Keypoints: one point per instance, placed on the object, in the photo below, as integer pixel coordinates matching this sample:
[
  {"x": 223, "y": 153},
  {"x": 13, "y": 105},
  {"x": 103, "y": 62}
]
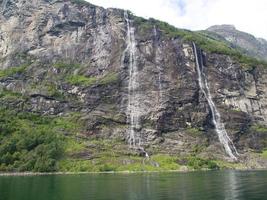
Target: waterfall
[
  {"x": 133, "y": 109},
  {"x": 3, "y": 6},
  {"x": 133, "y": 104},
  {"x": 216, "y": 117}
]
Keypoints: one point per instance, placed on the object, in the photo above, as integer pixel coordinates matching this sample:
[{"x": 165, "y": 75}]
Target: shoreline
[
  {"x": 84, "y": 173},
  {"x": 17, "y": 174}
]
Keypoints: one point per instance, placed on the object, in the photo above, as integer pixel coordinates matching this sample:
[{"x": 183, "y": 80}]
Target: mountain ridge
[{"x": 256, "y": 47}]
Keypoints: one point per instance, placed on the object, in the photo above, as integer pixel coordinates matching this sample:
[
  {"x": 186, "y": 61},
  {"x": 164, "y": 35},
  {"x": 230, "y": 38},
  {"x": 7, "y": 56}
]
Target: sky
[{"x": 246, "y": 15}]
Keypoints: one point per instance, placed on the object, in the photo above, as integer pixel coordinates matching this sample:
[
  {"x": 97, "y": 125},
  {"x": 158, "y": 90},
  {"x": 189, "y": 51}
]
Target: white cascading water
[
  {"x": 133, "y": 109},
  {"x": 4, "y": 5},
  {"x": 216, "y": 117}
]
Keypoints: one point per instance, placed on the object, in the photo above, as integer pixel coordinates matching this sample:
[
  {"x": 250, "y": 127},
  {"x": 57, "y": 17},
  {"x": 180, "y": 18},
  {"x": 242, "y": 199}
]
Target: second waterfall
[
  {"x": 133, "y": 107},
  {"x": 216, "y": 117}
]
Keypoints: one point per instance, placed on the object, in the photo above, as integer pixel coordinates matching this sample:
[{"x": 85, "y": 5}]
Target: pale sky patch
[{"x": 246, "y": 15}]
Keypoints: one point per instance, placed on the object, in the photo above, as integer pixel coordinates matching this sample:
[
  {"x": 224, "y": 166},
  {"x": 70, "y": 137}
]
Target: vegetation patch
[
  {"x": 199, "y": 163},
  {"x": 166, "y": 162},
  {"x": 111, "y": 155},
  {"x": 8, "y": 95},
  {"x": 264, "y": 154},
  {"x": 13, "y": 71},
  {"x": 81, "y": 80},
  {"x": 27, "y": 142},
  {"x": 258, "y": 128},
  {"x": 53, "y": 91},
  {"x": 30, "y": 142},
  {"x": 73, "y": 145},
  {"x": 194, "y": 132},
  {"x": 229, "y": 165},
  {"x": 109, "y": 79},
  {"x": 73, "y": 165}
]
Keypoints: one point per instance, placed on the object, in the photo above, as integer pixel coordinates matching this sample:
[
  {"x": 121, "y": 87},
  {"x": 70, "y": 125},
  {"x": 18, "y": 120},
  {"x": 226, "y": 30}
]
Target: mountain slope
[
  {"x": 256, "y": 47},
  {"x": 102, "y": 88}
]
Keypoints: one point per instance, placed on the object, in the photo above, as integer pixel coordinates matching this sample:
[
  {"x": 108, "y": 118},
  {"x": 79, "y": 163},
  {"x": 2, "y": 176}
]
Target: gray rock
[{"x": 73, "y": 62}]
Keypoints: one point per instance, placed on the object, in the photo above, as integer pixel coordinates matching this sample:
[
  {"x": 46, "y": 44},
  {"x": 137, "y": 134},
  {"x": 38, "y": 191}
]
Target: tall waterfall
[
  {"x": 133, "y": 108},
  {"x": 216, "y": 117}
]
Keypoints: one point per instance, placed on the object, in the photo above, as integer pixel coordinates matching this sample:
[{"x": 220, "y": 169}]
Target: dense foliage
[{"x": 27, "y": 142}]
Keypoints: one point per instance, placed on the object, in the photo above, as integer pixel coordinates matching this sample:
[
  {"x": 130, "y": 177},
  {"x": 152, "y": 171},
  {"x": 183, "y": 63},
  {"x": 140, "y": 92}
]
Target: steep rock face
[
  {"x": 65, "y": 57},
  {"x": 256, "y": 47}
]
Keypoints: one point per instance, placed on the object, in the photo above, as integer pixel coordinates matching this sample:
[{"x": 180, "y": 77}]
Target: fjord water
[{"x": 209, "y": 185}]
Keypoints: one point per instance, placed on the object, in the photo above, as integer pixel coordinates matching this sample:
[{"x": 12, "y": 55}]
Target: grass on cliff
[
  {"x": 194, "y": 132},
  {"x": 264, "y": 154},
  {"x": 207, "y": 43},
  {"x": 13, "y": 71},
  {"x": 259, "y": 128},
  {"x": 111, "y": 155},
  {"x": 81, "y": 80},
  {"x": 110, "y": 162},
  {"x": 10, "y": 96},
  {"x": 73, "y": 73}
]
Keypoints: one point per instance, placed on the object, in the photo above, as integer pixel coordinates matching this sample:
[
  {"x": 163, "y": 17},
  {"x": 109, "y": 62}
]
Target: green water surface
[{"x": 210, "y": 185}]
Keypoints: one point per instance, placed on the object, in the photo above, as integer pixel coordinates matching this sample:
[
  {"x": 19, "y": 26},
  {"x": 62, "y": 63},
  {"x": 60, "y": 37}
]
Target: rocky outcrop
[{"x": 65, "y": 57}]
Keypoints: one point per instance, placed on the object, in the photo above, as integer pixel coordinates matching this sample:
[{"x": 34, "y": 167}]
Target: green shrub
[
  {"x": 81, "y": 80},
  {"x": 193, "y": 132},
  {"x": 12, "y": 71},
  {"x": 109, "y": 79},
  {"x": 9, "y": 95},
  {"x": 200, "y": 163},
  {"x": 166, "y": 162},
  {"x": 258, "y": 128},
  {"x": 264, "y": 154},
  {"x": 53, "y": 91},
  {"x": 107, "y": 168},
  {"x": 28, "y": 142},
  {"x": 72, "y": 165}
]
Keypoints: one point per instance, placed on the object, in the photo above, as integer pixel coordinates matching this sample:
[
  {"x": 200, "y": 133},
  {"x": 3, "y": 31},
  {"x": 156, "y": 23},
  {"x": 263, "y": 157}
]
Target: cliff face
[
  {"x": 256, "y": 47},
  {"x": 127, "y": 81}
]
